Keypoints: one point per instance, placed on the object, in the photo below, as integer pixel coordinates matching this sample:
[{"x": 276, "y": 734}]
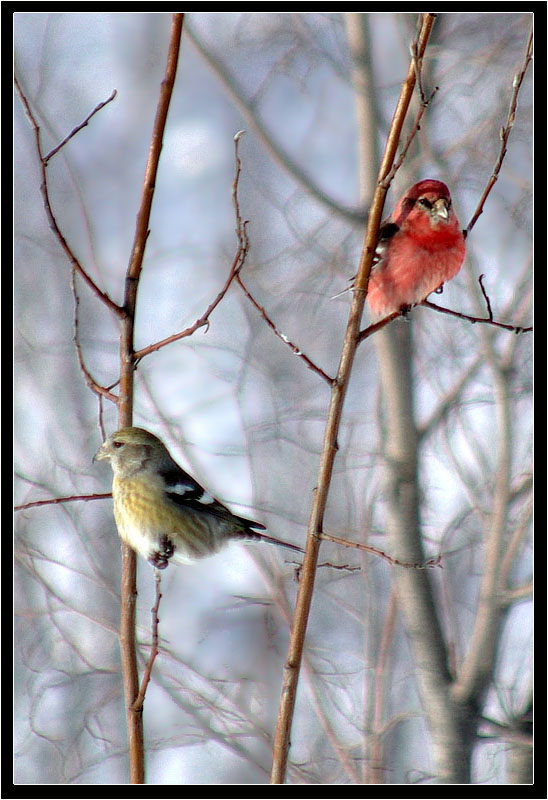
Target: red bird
[{"x": 420, "y": 247}]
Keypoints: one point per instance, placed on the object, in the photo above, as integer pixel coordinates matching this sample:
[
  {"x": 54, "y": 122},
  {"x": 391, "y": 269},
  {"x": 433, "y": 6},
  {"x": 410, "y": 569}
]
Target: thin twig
[
  {"x": 241, "y": 232},
  {"x": 140, "y": 699},
  {"x": 425, "y": 102},
  {"x": 517, "y": 329},
  {"x": 79, "y": 127},
  {"x": 202, "y": 321},
  {"x": 486, "y": 297},
  {"x": 285, "y": 339},
  {"x": 95, "y": 387},
  {"x": 395, "y": 562},
  {"x": 504, "y": 132},
  {"x": 484, "y": 320},
  {"x": 56, "y": 500},
  {"x": 44, "y": 189},
  {"x": 417, "y": 65},
  {"x": 241, "y": 224},
  {"x": 237, "y": 264}
]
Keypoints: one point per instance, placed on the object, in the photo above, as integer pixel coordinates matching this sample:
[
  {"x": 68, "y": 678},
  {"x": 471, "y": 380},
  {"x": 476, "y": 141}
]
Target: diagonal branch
[
  {"x": 237, "y": 264},
  {"x": 293, "y": 347},
  {"x": 44, "y": 189},
  {"x": 504, "y": 132},
  {"x": 203, "y": 321},
  {"x": 315, "y": 525},
  {"x": 79, "y": 127}
]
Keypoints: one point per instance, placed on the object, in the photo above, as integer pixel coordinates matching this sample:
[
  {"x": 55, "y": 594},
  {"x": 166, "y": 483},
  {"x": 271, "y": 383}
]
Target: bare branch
[
  {"x": 425, "y": 102},
  {"x": 44, "y": 189},
  {"x": 485, "y": 320},
  {"x": 315, "y": 525},
  {"x": 395, "y": 562},
  {"x": 237, "y": 264},
  {"x": 79, "y": 127},
  {"x": 293, "y": 347},
  {"x": 56, "y": 500},
  {"x": 128, "y": 642},
  {"x": 377, "y": 326},
  {"x": 504, "y": 133},
  {"x": 202, "y": 321},
  {"x": 241, "y": 231},
  {"x": 99, "y": 390},
  {"x": 485, "y": 297},
  {"x": 140, "y": 699}
]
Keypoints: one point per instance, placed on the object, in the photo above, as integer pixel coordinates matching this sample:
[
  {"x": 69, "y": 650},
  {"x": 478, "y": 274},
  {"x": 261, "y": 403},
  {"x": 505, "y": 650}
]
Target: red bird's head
[{"x": 427, "y": 207}]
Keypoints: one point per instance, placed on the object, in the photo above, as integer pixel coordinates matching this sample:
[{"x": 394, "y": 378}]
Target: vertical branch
[
  {"x": 125, "y": 405},
  {"x": 315, "y": 525}
]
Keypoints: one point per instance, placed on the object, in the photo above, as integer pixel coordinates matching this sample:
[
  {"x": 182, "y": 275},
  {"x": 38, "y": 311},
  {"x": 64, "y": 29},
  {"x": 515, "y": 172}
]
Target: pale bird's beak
[
  {"x": 100, "y": 454},
  {"x": 440, "y": 209}
]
